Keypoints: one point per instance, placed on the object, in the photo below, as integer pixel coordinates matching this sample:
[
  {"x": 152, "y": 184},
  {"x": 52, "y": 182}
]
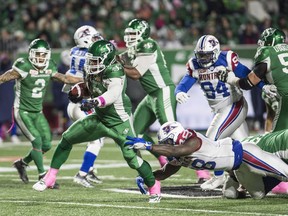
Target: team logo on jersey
[
  {"x": 148, "y": 45},
  {"x": 33, "y": 72}
]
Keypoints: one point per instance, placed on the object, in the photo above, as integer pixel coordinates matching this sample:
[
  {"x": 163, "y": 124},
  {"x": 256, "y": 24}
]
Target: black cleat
[
  {"x": 20, "y": 165},
  {"x": 91, "y": 177}
]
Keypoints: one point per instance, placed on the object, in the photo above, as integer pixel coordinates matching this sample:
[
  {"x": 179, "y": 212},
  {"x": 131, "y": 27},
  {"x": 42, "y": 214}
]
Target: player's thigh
[
  {"x": 25, "y": 121},
  {"x": 165, "y": 105},
  {"x": 264, "y": 163},
  {"x": 227, "y": 120},
  {"x": 44, "y": 130},
  {"x": 143, "y": 116},
  {"x": 86, "y": 129}
]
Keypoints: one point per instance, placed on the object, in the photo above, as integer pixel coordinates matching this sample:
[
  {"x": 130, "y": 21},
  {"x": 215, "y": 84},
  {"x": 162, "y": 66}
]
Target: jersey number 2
[{"x": 37, "y": 91}]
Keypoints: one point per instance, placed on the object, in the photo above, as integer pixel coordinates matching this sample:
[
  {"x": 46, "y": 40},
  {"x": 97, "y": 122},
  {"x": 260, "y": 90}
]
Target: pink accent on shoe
[
  {"x": 205, "y": 174},
  {"x": 50, "y": 177},
  {"x": 162, "y": 160},
  {"x": 102, "y": 101},
  {"x": 281, "y": 188},
  {"x": 156, "y": 188}
]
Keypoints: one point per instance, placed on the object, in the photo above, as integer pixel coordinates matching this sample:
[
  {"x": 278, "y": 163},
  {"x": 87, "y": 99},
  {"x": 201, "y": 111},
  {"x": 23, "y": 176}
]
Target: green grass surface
[{"x": 20, "y": 199}]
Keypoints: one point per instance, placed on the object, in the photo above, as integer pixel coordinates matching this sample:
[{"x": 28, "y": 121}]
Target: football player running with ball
[
  {"x": 32, "y": 75},
  {"x": 84, "y": 36},
  {"x": 106, "y": 84}
]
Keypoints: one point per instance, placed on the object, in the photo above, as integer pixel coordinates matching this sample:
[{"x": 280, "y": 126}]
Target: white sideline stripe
[
  {"x": 162, "y": 194},
  {"x": 139, "y": 207}
]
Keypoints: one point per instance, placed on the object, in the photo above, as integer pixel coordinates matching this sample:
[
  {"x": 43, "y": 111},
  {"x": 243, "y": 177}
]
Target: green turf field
[{"x": 117, "y": 195}]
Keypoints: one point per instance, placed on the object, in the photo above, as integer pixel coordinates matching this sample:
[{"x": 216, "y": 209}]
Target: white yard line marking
[
  {"x": 154, "y": 208},
  {"x": 162, "y": 194}
]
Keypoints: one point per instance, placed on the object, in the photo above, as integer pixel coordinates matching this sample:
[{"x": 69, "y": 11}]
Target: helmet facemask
[
  {"x": 39, "y": 57},
  {"x": 100, "y": 55},
  {"x": 94, "y": 65},
  {"x": 207, "y": 51},
  {"x": 137, "y": 31}
]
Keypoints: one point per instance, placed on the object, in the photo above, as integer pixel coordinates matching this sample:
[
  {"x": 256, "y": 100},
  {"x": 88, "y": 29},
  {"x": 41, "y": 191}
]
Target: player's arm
[
  {"x": 67, "y": 79},
  {"x": 188, "y": 147},
  {"x": 114, "y": 90},
  {"x": 167, "y": 171},
  {"x": 9, "y": 75}
]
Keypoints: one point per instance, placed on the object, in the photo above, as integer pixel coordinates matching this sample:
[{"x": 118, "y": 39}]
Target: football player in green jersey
[
  {"x": 270, "y": 65},
  {"x": 32, "y": 75},
  {"x": 148, "y": 65},
  {"x": 106, "y": 86}
]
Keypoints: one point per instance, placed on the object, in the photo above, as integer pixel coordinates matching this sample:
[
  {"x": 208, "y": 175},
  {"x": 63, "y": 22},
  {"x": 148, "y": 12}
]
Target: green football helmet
[
  {"x": 271, "y": 37},
  {"x": 39, "y": 53},
  {"x": 100, "y": 55},
  {"x": 137, "y": 31}
]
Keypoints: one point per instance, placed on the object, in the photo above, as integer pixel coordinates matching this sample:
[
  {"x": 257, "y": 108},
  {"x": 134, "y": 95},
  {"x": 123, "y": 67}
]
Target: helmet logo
[
  {"x": 168, "y": 128},
  {"x": 213, "y": 42},
  {"x": 84, "y": 33}
]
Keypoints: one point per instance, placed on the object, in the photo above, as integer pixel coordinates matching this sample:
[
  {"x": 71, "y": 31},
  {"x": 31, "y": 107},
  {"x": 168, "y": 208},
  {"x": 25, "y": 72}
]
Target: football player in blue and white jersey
[
  {"x": 83, "y": 37},
  {"x": 258, "y": 162},
  {"x": 226, "y": 101}
]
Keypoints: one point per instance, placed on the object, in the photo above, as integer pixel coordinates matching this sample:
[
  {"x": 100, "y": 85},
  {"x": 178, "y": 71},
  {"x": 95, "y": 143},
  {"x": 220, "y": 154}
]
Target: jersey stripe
[{"x": 253, "y": 161}]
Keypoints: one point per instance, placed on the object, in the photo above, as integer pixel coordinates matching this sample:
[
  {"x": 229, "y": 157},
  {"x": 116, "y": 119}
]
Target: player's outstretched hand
[{"x": 138, "y": 143}]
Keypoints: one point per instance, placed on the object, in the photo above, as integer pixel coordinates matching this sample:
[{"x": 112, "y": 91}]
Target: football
[{"x": 78, "y": 92}]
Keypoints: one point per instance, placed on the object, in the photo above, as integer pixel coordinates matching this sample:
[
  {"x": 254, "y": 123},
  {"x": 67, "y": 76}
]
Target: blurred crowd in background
[{"x": 174, "y": 24}]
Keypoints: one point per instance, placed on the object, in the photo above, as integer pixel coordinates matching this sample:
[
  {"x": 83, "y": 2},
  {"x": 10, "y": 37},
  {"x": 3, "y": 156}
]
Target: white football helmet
[
  {"x": 207, "y": 50},
  {"x": 85, "y": 35},
  {"x": 169, "y": 131}
]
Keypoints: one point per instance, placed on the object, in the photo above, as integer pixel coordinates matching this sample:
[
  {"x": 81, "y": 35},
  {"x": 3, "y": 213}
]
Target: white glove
[
  {"x": 270, "y": 91},
  {"x": 182, "y": 97}
]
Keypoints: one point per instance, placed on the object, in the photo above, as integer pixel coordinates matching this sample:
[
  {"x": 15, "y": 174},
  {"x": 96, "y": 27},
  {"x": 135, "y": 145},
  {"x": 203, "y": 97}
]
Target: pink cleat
[
  {"x": 281, "y": 188},
  {"x": 155, "y": 192}
]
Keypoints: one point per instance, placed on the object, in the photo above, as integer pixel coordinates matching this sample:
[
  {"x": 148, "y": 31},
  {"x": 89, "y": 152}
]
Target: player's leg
[
  {"x": 144, "y": 116},
  {"x": 135, "y": 162},
  {"x": 27, "y": 122},
  {"x": 164, "y": 104},
  {"x": 264, "y": 163},
  {"x": 277, "y": 144},
  {"x": 83, "y": 130},
  {"x": 86, "y": 171},
  {"x": 228, "y": 121}
]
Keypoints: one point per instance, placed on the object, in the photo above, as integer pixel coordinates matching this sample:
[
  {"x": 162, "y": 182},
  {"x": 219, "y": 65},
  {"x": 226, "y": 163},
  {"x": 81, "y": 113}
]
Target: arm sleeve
[
  {"x": 143, "y": 62},
  {"x": 185, "y": 84},
  {"x": 242, "y": 71},
  {"x": 113, "y": 92}
]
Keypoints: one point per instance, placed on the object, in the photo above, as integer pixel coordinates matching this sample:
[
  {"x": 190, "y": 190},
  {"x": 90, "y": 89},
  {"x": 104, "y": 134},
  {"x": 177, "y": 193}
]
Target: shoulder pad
[
  {"x": 114, "y": 71},
  {"x": 147, "y": 46},
  {"x": 261, "y": 54},
  {"x": 20, "y": 62}
]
